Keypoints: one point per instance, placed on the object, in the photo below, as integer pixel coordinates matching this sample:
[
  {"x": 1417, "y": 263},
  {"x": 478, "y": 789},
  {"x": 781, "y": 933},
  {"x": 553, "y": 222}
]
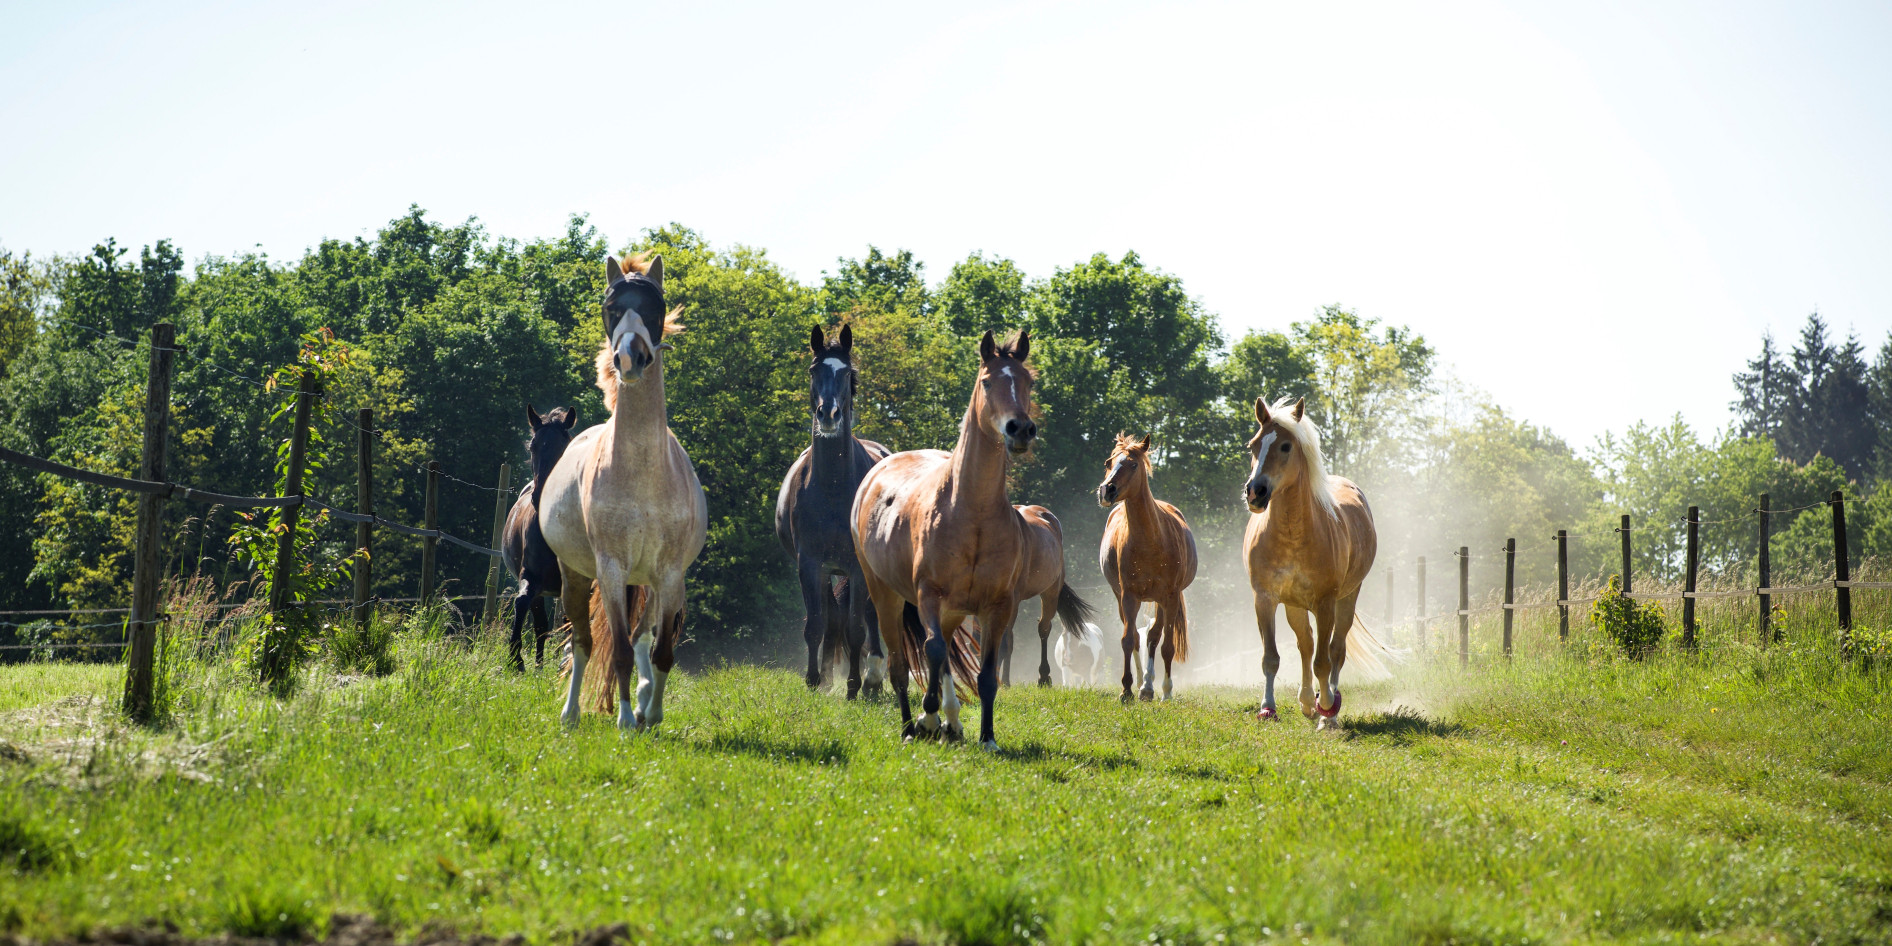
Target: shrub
[
  {"x": 1636, "y": 627},
  {"x": 357, "y": 649}
]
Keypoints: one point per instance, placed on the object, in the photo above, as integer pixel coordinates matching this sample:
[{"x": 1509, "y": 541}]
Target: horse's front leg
[
  {"x": 663, "y": 615},
  {"x": 1328, "y": 705},
  {"x": 814, "y": 602},
  {"x": 867, "y": 617},
  {"x": 618, "y": 601},
  {"x": 541, "y": 629},
  {"x": 996, "y": 622},
  {"x": 575, "y": 594},
  {"x": 528, "y": 593},
  {"x": 1270, "y": 654},
  {"x": 852, "y": 617},
  {"x": 1127, "y": 606},
  {"x": 1151, "y": 642},
  {"x": 1304, "y": 642},
  {"x": 938, "y": 671}
]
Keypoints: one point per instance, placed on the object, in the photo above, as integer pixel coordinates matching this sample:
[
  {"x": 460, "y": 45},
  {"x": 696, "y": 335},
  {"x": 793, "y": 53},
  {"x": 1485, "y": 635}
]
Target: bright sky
[{"x": 1593, "y": 210}]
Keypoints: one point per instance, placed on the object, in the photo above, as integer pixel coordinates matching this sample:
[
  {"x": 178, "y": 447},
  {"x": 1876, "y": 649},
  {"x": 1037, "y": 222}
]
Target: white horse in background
[{"x": 1082, "y": 660}]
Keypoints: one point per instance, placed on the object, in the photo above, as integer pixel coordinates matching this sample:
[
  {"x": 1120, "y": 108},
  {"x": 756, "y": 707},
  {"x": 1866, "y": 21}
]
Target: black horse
[
  {"x": 524, "y": 550},
  {"x": 811, "y": 519}
]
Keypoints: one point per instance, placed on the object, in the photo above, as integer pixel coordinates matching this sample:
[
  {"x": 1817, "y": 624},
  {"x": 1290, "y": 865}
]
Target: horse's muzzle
[
  {"x": 1256, "y": 494},
  {"x": 633, "y": 358},
  {"x": 1106, "y": 495},
  {"x": 1019, "y": 434}
]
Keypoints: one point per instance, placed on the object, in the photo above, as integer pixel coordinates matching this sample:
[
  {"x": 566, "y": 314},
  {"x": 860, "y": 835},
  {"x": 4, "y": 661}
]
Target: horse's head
[
  {"x": 1002, "y": 399},
  {"x": 635, "y": 321},
  {"x": 551, "y": 434},
  {"x": 1129, "y": 464},
  {"x": 831, "y": 382},
  {"x": 1274, "y": 450}
]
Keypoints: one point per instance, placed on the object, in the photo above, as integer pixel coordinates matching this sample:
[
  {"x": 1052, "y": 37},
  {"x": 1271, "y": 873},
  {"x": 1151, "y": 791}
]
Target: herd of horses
[{"x": 912, "y": 565}]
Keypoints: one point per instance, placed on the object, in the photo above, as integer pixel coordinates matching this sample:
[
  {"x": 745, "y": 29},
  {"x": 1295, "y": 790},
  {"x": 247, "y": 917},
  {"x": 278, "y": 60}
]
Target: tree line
[{"x": 447, "y": 332}]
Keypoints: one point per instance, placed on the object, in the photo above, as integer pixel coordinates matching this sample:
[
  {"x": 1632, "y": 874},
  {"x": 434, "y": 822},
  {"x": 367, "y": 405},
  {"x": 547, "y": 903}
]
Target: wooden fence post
[
  {"x": 1626, "y": 563},
  {"x": 428, "y": 543},
  {"x": 142, "y": 652},
  {"x": 1767, "y": 600},
  {"x": 1510, "y": 589},
  {"x": 1842, "y": 572},
  {"x": 1419, "y": 607},
  {"x": 279, "y": 585},
  {"x": 1464, "y": 606},
  {"x": 1688, "y": 581},
  {"x": 499, "y": 530},
  {"x": 364, "y": 531},
  {"x": 1563, "y": 584}
]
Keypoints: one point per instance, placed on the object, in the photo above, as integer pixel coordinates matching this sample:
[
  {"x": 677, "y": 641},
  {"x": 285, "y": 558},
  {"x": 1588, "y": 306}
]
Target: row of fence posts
[
  {"x": 1841, "y": 570},
  {"x": 147, "y": 575}
]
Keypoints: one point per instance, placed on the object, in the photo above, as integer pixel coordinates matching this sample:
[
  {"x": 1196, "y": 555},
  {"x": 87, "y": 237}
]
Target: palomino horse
[
  {"x": 1148, "y": 554},
  {"x": 523, "y": 548},
  {"x": 623, "y": 506},
  {"x": 811, "y": 520},
  {"x": 1309, "y": 544},
  {"x": 938, "y": 543}
]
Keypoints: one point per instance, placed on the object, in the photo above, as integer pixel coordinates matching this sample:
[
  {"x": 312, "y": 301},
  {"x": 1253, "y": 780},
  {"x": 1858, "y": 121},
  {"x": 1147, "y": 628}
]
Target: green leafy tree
[{"x": 981, "y": 294}]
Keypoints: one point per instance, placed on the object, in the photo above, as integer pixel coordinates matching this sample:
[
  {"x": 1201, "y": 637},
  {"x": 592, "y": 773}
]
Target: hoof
[
  {"x": 1267, "y": 715},
  {"x": 1329, "y": 713},
  {"x": 909, "y": 731},
  {"x": 568, "y": 719},
  {"x": 952, "y": 734},
  {"x": 1044, "y": 681},
  {"x": 870, "y": 691},
  {"x": 1127, "y": 698},
  {"x": 1148, "y": 695},
  {"x": 990, "y": 745}
]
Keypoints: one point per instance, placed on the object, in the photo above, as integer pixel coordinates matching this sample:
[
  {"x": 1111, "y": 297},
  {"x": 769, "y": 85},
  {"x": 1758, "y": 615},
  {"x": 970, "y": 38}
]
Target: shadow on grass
[
  {"x": 1039, "y": 752},
  {"x": 830, "y": 752},
  {"x": 1402, "y": 723}
]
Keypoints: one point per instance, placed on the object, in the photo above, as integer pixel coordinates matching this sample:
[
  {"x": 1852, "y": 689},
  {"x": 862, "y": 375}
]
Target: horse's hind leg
[
  {"x": 1168, "y": 614},
  {"x": 528, "y": 593},
  {"x": 541, "y": 628},
  {"x": 1005, "y": 659},
  {"x": 1158, "y": 625},
  {"x": 1304, "y": 641},
  {"x": 663, "y": 615},
  {"x": 576, "y": 596},
  {"x": 887, "y": 607},
  {"x": 1333, "y": 655},
  {"x": 864, "y": 623},
  {"x": 1047, "y": 609}
]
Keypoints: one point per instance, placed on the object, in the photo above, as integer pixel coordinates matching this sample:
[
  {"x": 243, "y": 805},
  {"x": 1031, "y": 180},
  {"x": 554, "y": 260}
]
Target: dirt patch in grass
[{"x": 82, "y": 742}]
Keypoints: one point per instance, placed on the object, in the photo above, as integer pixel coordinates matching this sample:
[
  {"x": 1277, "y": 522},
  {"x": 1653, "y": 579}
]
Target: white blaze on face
[
  {"x": 836, "y": 364},
  {"x": 1267, "y": 443}
]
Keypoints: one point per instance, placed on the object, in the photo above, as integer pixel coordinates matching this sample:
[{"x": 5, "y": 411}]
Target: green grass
[{"x": 1737, "y": 795}]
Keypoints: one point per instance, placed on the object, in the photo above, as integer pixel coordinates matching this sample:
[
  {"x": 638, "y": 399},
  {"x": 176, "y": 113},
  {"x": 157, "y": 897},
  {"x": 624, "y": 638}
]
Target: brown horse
[
  {"x": 1309, "y": 544},
  {"x": 1044, "y": 581},
  {"x": 1148, "y": 554},
  {"x": 623, "y": 506},
  {"x": 938, "y": 543}
]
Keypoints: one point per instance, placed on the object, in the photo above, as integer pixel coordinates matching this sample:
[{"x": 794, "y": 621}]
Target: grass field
[{"x": 1737, "y": 795}]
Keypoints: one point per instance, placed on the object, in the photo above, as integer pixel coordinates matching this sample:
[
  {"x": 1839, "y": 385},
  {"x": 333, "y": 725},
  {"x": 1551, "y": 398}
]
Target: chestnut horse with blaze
[
  {"x": 1148, "y": 555},
  {"x": 938, "y": 542},
  {"x": 1309, "y": 545}
]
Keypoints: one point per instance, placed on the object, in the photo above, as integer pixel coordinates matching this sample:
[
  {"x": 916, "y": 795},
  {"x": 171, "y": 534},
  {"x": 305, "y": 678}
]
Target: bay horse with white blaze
[
  {"x": 1148, "y": 554},
  {"x": 1308, "y": 546},
  {"x": 624, "y": 508},
  {"x": 811, "y": 521},
  {"x": 523, "y": 547},
  {"x": 938, "y": 543}
]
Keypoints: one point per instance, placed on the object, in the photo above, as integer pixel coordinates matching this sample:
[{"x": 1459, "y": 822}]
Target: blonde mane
[
  {"x": 607, "y": 378},
  {"x": 1308, "y": 436}
]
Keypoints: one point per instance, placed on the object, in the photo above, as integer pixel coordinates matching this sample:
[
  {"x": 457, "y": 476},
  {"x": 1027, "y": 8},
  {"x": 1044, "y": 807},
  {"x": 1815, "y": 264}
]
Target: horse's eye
[{"x": 1285, "y": 447}]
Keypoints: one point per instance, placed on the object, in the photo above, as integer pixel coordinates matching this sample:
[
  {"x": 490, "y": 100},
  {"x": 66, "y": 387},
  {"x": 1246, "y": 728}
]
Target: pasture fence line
[
  {"x": 1842, "y": 584},
  {"x": 153, "y": 489}
]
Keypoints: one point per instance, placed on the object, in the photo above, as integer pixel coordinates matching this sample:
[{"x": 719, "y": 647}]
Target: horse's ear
[
  {"x": 1261, "y": 409},
  {"x": 533, "y": 418},
  {"x": 817, "y": 342},
  {"x": 847, "y": 340},
  {"x": 1145, "y": 445},
  {"x": 1021, "y": 344},
  {"x": 1300, "y": 407},
  {"x": 571, "y": 417},
  {"x": 614, "y": 273},
  {"x": 988, "y": 347},
  {"x": 656, "y": 271}
]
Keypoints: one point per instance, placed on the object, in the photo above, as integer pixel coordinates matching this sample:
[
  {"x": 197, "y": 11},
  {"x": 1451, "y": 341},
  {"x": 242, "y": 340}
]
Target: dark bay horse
[
  {"x": 939, "y": 542},
  {"x": 811, "y": 520},
  {"x": 523, "y": 547},
  {"x": 1148, "y": 555}
]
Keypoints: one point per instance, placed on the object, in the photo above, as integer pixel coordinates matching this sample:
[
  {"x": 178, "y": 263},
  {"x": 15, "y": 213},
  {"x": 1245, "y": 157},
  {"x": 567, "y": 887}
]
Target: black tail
[
  {"x": 962, "y": 650},
  {"x": 1074, "y": 612}
]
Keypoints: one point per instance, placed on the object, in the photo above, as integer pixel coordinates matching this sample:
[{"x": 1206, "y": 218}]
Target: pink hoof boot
[
  {"x": 1330, "y": 713},
  {"x": 1266, "y": 714}
]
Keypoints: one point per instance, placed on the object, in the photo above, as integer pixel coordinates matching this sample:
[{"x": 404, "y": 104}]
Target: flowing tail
[
  {"x": 1179, "y": 628},
  {"x": 608, "y": 650},
  {"x": 1367, "y": 656},
  {"x": 962, "y": 650},
  {"x": 1074, "y": 612}
]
